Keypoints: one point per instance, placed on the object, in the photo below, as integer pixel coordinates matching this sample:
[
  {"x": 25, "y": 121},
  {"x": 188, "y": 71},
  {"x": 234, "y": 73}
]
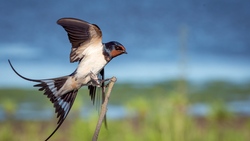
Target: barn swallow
[{"x": 92, "y": 55}]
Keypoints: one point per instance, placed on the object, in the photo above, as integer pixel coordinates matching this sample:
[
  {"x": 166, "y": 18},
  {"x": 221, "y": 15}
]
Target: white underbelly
[{"x": 89, "y": 64}]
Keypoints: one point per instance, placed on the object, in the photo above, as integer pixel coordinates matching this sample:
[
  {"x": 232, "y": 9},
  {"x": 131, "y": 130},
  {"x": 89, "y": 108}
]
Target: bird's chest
[
  {"x": 91, "y": 63},
  {"x": 94, "y": 64}
]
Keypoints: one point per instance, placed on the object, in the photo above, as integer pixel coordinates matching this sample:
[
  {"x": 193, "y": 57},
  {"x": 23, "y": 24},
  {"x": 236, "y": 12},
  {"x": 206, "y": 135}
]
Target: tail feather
[
  {"x": 62, "y": 106},
  {"x": 49, "y": 86},
  {"x": 62, "y": 103},
  {"x": 34, "y": 80}
]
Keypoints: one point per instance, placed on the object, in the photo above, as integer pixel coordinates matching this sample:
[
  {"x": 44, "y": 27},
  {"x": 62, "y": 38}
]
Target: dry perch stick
[{"x": 103, "y": 109}]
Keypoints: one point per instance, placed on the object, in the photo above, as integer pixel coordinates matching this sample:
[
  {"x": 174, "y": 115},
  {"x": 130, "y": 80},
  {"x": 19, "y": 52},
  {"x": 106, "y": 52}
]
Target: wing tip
[{"x": 67, "y": 20}]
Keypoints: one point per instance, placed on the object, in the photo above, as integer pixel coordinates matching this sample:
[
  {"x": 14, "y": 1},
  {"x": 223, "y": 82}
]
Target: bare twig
[{"x": 103, "y": 109}]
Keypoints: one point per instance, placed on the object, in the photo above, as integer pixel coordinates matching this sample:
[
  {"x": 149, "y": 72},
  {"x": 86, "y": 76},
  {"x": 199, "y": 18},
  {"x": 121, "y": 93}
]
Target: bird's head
[{"x": 115, "y": 48}]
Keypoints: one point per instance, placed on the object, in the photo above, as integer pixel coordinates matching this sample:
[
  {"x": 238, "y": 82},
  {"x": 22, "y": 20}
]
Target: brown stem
[{"x": 103, "y": 109}]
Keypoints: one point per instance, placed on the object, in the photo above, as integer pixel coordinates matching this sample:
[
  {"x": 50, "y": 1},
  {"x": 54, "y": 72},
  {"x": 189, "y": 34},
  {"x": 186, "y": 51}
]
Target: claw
[{"x": 94, "y": 79}]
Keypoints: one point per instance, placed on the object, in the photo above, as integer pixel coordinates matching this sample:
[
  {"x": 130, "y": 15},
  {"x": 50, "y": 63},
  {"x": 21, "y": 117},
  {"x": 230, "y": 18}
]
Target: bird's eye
[{"x": 118, "y": 48}]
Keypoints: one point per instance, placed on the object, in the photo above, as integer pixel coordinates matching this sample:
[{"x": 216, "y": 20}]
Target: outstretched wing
[
  {"x": 63, "y": 103},
  {"x": 93, "y": 89},
  {"x": 93, "y": 92},
  {"x": 81, "y": 35}
]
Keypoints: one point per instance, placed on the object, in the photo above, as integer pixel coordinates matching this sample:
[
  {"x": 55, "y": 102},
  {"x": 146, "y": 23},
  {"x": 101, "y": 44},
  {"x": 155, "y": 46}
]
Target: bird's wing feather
[
  {"x": 81, "y": 35},
  {"x": 93, "y": 89},
  {"x": 93, "y": 92}
]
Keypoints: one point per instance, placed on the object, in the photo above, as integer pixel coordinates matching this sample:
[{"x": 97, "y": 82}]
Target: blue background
[{"x": 198, "y": 40}]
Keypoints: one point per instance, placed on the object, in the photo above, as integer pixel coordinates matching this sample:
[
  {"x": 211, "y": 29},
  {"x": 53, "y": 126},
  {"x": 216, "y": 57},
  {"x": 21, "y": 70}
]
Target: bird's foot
[{"x": 95, "y": 81}]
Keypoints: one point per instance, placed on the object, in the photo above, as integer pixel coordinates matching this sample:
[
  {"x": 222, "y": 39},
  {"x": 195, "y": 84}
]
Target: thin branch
[{"x": 103, "y": 109}]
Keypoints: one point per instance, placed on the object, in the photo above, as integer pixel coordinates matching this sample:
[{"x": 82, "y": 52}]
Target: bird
[{"x": 92, "y": 56}]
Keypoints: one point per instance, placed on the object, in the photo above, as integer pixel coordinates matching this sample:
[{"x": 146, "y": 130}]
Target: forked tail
[{"x": 62, "y": 103}]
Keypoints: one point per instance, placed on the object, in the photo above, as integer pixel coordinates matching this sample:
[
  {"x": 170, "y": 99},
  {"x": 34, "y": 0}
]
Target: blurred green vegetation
[
  {"x": 205, "y": 92},
  {"x": 158, "y": 113}
]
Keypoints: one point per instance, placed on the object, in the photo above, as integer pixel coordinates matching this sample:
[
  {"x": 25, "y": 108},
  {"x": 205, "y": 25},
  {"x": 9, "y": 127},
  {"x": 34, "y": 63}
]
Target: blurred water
[
  {"x": 239, "y": 108},
  {"x": 211, "y": 36},
  {"x": 27, "y": 111}
]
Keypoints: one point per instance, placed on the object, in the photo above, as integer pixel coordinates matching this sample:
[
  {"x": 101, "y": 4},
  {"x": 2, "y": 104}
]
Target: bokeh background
[{"x": 185, "y": 77}]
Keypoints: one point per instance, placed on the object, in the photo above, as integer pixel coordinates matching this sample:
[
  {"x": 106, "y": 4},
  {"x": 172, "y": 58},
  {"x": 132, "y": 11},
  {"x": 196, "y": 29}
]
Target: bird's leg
[
  {"x": 97, "y": 82},
  {"x": 94, "y": 79}
]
